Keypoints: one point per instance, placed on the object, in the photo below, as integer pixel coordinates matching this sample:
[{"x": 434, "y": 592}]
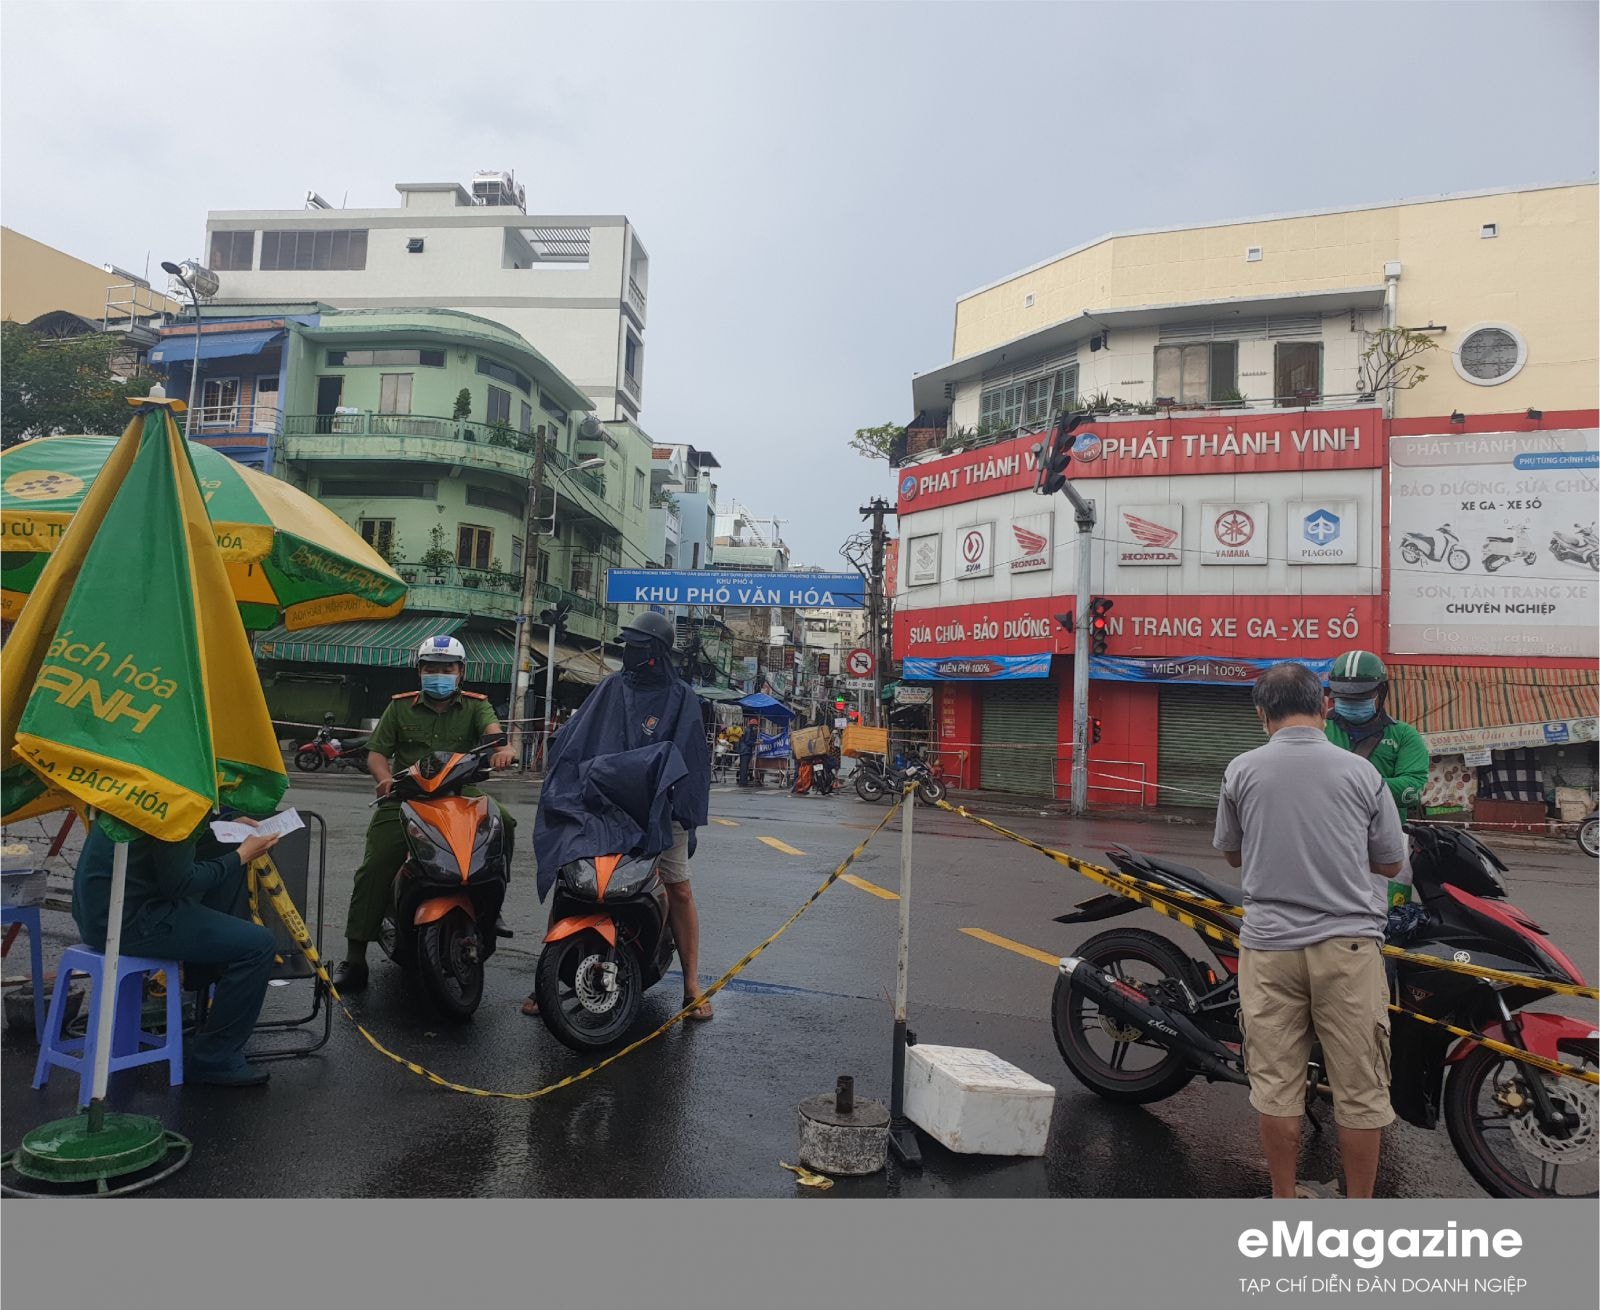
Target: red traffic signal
[
  {"x": 1099, "y": 624},
  {"x": 1094, "y": 731}
]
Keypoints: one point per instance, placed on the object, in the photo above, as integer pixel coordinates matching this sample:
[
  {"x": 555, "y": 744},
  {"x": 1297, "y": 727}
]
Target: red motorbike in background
[{"x": 325, "y": 751}]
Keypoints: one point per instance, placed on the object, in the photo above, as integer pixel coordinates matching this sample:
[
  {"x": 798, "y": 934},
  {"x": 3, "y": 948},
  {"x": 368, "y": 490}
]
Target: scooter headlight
[
  {"x": 581, "y": 876},
  {"x": 421, "y": 840}
]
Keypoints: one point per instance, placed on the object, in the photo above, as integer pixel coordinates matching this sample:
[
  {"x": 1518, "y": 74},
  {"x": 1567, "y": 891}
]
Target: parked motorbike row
[
  {"x": 1443, "y": 546},
  {"x": 325, "y": 751}
]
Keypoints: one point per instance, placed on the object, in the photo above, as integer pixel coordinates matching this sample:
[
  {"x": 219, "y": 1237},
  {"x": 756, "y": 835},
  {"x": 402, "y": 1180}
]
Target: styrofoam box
[{"x": 975, "y": 1103}]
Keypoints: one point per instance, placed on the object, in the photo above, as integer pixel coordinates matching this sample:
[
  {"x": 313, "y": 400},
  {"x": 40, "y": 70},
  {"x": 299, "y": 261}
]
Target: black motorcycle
[
  {"x": 874, "y": 779},
  {"x": 608, "y": 943},
  {"x": 442, "y": 925},
  {"x": 1137, "y": 1018}
]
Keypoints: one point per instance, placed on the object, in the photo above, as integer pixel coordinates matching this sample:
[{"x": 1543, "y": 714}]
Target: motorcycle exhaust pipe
[{"x": 1163, "y": 1025}]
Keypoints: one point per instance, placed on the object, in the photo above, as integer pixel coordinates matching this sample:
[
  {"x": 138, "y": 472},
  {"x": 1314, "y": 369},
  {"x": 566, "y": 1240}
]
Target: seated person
[{"x": 183, "y": 901}]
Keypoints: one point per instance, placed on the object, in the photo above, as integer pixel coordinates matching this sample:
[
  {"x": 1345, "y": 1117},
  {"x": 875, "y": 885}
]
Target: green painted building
[{"x": 421, "y": 428}]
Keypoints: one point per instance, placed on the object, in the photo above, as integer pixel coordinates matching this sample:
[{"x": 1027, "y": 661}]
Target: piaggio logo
[{"x": 1321, "y": 527}]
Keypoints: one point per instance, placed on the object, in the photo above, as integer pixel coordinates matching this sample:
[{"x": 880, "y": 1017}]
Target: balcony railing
[
  {"x": 636, "y": 298},
  {"x": 630, "y": 384},
  {"x": 562, "y": 462},
  {"x": 367, "y": 424},
  {"x": 218, "y": 420}
]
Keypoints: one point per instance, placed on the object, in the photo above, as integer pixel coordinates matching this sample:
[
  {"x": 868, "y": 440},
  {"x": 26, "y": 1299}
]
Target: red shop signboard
[
  {"x": 1276, "y": 441},
  {"x": 1242, "y": 627}
]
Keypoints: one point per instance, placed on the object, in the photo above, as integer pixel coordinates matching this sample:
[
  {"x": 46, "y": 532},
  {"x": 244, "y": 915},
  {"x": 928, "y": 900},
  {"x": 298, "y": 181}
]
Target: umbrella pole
[{"x": 108, "y": 983}]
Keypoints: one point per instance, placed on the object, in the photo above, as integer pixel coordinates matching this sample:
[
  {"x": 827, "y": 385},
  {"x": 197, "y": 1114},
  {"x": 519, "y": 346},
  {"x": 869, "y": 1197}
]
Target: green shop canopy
[{"x": 390, "y": 644}]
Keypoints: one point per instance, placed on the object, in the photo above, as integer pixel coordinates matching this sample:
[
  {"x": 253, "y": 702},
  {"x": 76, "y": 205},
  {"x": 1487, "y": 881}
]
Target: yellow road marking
[
  {"x": 871, "y": 888},
  {"x": 726, "y": 823},
  {"x": 781, "y": 846},
  {"x": 1005, "y": 943}
]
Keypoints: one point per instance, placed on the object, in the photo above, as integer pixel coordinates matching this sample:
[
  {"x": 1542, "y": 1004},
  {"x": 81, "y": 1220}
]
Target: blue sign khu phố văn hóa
[{"x": 812, "y": 591}]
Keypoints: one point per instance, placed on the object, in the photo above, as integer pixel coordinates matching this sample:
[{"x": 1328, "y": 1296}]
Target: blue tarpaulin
[
  {"x": 764, "y": 706},
  {"x": 213, "y": 345}
]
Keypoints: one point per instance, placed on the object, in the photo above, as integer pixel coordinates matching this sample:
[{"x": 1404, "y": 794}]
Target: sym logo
[
  {"x": 1321, "y": 527},
  {"x": 972, "y": 547},
  {"x": 908, "y": 487}
]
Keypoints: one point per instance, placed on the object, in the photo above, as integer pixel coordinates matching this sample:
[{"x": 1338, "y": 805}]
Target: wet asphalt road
[{"x": 709, "y": 1109}]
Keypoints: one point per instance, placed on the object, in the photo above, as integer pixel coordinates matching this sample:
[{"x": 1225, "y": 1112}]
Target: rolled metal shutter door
[
  {"x": 1202, "y": 730},
  {"x": 1019, "y": 718}
]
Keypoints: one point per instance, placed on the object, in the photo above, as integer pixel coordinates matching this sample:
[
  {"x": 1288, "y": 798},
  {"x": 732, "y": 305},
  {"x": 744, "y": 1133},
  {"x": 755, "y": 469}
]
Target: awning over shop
[
  {"x": 718, "y": 694},
  {"x": 388, "y": 644},
  {"x": 588, "y": 667},
  {"x": 1470, "y": 709},
  {"x": 213, "y": 345}
]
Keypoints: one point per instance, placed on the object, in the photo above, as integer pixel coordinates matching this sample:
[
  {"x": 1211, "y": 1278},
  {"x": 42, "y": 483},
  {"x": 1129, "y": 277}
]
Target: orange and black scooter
[{"x": 448, "y": 893}]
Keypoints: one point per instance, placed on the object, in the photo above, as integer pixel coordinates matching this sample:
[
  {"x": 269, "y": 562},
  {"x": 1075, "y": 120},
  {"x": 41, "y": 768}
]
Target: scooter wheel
[
  {"x": 451, "y": 965},
  {"x": 1459, "y": 560},
  {"x": 869, "y": 787},
  {"x": 578, "y": 1007},
  {"x": 308, "y": 761}
]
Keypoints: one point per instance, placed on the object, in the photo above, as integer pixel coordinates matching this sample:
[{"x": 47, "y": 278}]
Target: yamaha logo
[{"x": 1462, "y": 957}]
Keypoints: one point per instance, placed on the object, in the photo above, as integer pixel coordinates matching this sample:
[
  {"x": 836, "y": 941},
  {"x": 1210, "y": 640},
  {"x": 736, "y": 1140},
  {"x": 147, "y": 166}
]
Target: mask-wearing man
[
  {"x": 1358, "y": 686},
  {"x": 439, "y": 716},
  {"x": 645, "y": 704}
]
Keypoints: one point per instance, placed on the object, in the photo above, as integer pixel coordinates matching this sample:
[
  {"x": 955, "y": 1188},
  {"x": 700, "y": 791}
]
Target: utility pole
[
  {"x": 1052, "y": 462},
  {"x": 530, "y": 581},
  {"x": 877, "y": 510}
]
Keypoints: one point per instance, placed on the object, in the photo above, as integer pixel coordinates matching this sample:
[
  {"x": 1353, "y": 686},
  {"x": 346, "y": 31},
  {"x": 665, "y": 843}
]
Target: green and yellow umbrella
[{"x": 285, "y": 554}]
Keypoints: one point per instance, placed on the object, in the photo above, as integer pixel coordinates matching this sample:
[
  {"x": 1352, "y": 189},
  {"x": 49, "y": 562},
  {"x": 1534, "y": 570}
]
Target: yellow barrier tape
[
  {"x": 1167, "y": 903},
  {"x": 271, "y": 882}
]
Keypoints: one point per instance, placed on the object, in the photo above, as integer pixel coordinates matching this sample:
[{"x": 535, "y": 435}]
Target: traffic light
[
  {"x": 1099, "y": 624},
  {"x": 1052, "y": 460},
  {"x": 839, "y": 704},
  {"x": 1094, "y": 731},
  {"x": 1066, "y": 621},
  {"x": 557, "y": 618}
]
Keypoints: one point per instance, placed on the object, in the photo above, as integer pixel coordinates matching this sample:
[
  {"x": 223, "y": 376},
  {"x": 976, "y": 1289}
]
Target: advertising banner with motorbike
[{"x": 1492, "y": 547}]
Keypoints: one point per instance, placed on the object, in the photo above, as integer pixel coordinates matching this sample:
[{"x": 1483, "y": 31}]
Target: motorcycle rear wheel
[
  {"x": 1072, "y": 1016},
  {"x": 451, "y": 969},
  {"x": 308, "y": 761},
  {"x": 560, "y": 991},
  {"x": 1589, "y": 836},
  {"x": 1473, "y": 1101},
  {"x": 869, "y": 786}
]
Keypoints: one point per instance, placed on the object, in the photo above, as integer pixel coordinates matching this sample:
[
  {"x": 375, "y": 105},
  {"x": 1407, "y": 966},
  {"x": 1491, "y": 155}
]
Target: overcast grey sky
[{"x": 815, "y": 183}]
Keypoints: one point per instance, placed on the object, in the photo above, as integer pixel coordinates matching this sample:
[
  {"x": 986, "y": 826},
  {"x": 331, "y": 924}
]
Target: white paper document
[{"x": 279, "y": 825}]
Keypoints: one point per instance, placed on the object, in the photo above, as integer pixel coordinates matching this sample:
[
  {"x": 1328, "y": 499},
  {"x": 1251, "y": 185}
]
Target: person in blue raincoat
[{"x": 645, "y": 704}]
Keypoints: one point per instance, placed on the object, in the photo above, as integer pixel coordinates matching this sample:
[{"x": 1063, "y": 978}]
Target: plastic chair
[
  {"x": 131, "y": 1046},
  {"x": 28, "y": 917}
]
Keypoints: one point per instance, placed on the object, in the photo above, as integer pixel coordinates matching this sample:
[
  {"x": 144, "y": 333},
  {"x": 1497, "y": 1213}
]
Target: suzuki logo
[{"x": 1321, "y": 527}]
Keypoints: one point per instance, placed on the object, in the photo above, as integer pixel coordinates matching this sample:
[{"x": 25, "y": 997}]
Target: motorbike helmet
[
  {"x": 441, "y": 650},
  {"x": 1357, "y": 673},
  {"x": 648, "y": 627}
]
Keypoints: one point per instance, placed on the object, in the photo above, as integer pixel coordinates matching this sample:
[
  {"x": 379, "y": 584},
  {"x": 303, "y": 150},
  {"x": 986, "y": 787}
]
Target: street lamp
[
  {"x": 525, "y": 612},
  {"x": 199, "y": 281}
]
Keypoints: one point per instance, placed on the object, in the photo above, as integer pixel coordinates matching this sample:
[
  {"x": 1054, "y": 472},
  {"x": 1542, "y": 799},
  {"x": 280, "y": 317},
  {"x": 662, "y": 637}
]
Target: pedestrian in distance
[
  {"x": 1317, "y": 835},
  {"x": 184, "y": 901},
  {"x": 749, "y": 742},
  {"x": 439, "y": 716}
]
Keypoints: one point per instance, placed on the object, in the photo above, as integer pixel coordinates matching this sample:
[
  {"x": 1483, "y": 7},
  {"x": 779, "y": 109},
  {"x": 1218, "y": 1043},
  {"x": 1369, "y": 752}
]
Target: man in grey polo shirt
[{"x": 1318, "y": 837}]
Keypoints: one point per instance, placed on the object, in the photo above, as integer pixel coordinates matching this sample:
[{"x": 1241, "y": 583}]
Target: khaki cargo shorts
[
  {"x": 673, "y": 863},
  {"x": 1335, "y": 991}
]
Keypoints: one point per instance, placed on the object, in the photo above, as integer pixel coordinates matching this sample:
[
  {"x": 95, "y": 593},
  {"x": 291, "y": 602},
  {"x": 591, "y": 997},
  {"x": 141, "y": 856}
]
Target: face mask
[
  {"x": 1354, "y": 711},
  {"x": 636, "y": 657},
  {"x": 438, "y": 686}
]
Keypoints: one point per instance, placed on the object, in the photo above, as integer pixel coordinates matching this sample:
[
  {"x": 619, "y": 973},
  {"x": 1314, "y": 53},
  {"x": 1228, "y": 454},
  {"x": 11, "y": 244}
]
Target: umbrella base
[{"x": 68, "y": 1157}]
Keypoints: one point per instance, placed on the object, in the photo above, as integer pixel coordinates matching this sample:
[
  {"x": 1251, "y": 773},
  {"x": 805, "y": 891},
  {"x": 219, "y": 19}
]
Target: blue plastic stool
[
  {"x": 28, "y": 917},
  {"x": 131, "y": 1046}
]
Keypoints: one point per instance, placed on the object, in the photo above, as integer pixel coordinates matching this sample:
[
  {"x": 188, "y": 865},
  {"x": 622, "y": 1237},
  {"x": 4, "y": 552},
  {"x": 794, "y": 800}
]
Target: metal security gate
[
  {"x": 1019, "y": 737},
  {"x": 1202, "y": 729}
]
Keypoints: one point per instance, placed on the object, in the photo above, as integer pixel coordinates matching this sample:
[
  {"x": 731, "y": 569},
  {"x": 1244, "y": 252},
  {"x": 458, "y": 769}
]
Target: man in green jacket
[{"x": 1359, "y": 686}]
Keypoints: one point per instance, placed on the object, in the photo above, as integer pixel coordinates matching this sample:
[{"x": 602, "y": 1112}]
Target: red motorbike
[
  {"x": 325, "y": 751},
  {"x": 1137, "y": 1017}
]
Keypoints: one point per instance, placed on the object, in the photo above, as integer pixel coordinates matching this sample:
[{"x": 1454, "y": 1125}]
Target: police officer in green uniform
[
  {"x": 1359, "y": 686},
  {"x": 439, "y": 717}
]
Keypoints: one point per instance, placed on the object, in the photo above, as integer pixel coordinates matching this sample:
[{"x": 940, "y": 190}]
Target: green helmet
[{"x": 1357, "y": 672}]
